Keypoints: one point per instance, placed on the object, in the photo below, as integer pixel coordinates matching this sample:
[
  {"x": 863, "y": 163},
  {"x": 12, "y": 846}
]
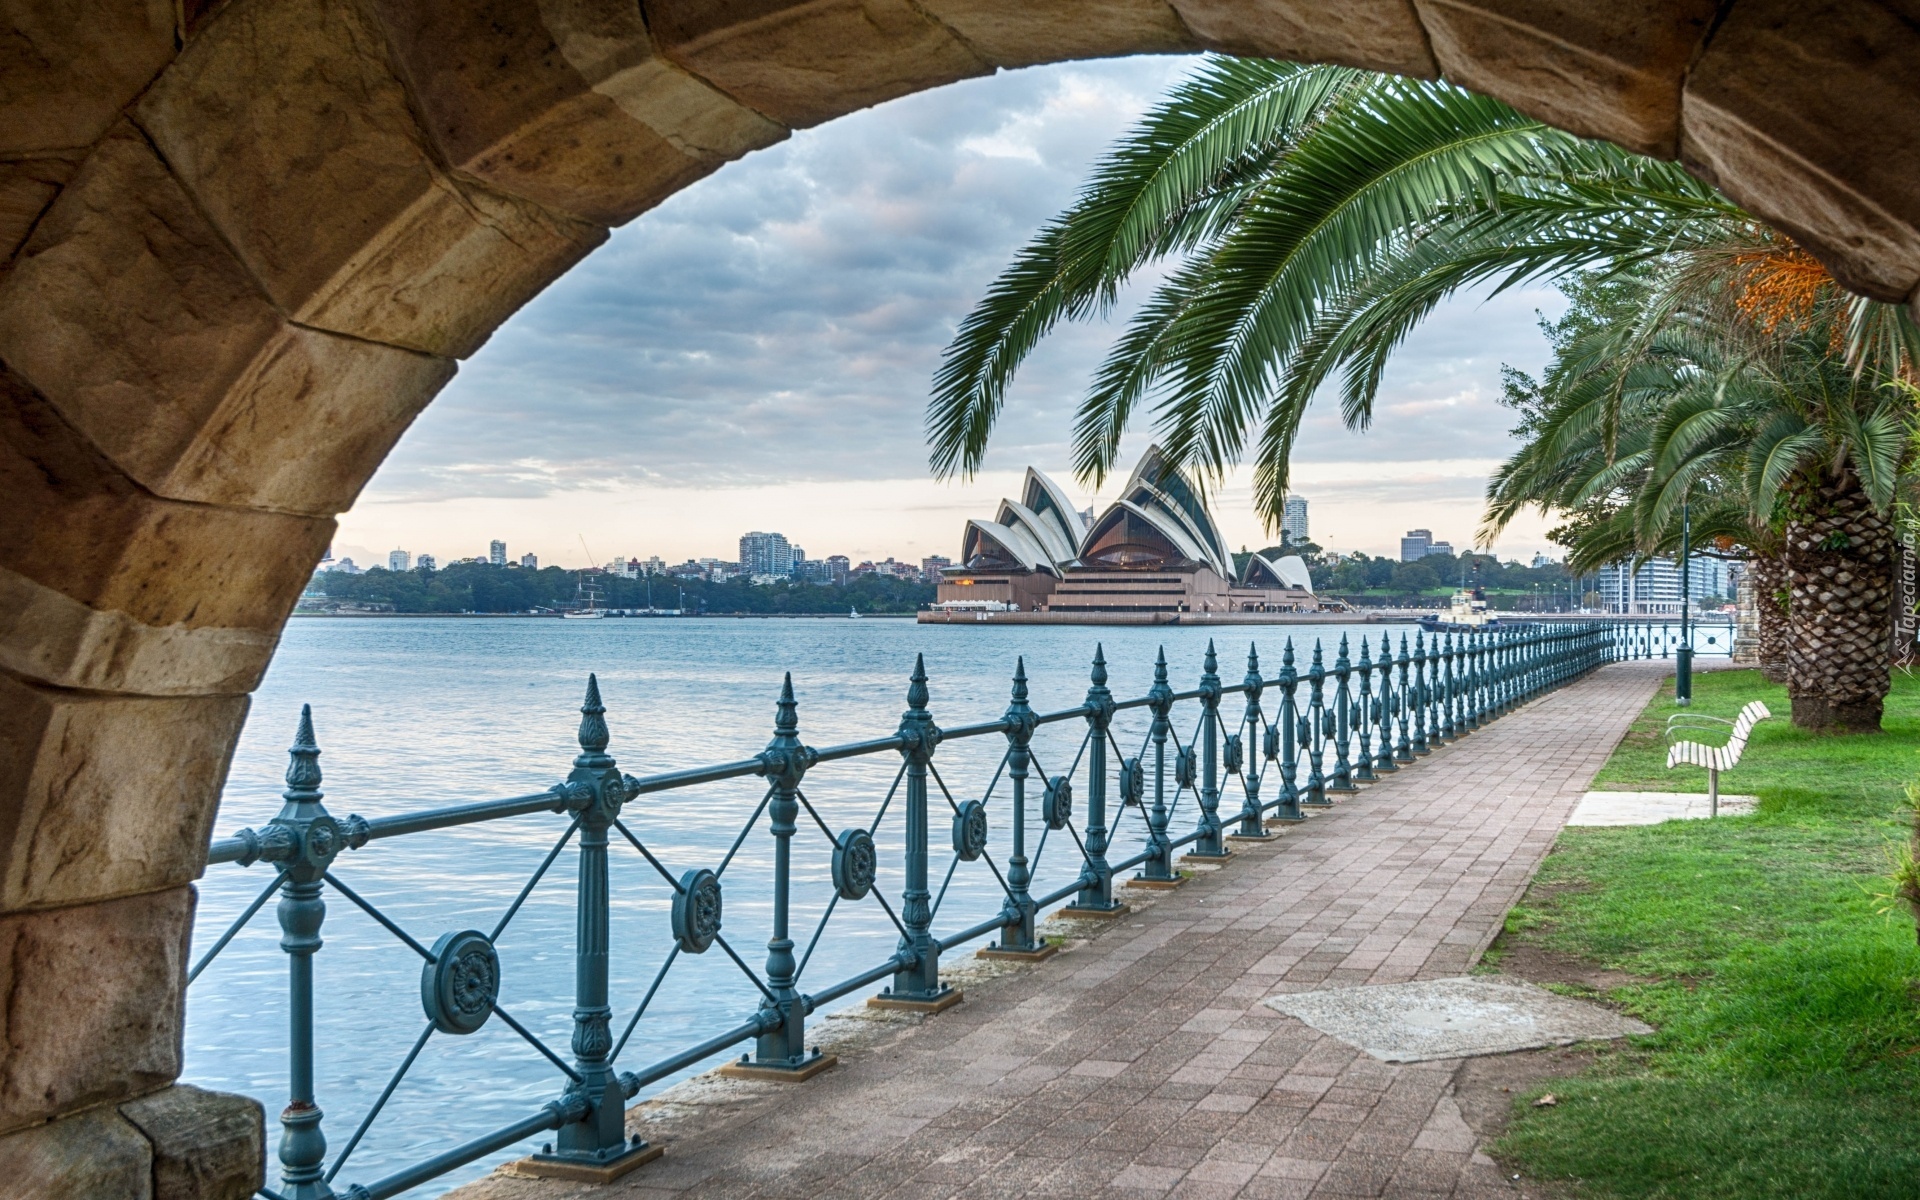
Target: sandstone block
[
  {"x": 67, "y": 69},
  {"x": 90, "y": 1154},
  {"x": 27, "y": 186},
  {"x": 285, "y": 121},
  {"x": 805, "y": 62},
  {"x": 1380, "y": 35},
  {"x": 1809, "y": 114},
  {"x": 1599, "y": 70},
  {"x": 90, "y": 1004},
  {"x": 1013, "y": 33},
  {"x": 78, "y": 526},
  {"x": 104, "y": 796},
  {"x": 566, "y": 103},
  {"x": 206, "y": 1145},
  {"x": 128, "y": 312}
]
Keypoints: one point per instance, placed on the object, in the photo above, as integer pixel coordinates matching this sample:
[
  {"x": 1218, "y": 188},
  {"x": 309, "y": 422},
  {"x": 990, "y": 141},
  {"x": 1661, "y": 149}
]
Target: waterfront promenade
[{"x": 1141, "y": 1061}]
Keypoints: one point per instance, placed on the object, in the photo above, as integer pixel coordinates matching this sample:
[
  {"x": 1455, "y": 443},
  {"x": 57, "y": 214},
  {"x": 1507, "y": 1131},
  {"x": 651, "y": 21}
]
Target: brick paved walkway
[{"x": 1142, "y": 1063}]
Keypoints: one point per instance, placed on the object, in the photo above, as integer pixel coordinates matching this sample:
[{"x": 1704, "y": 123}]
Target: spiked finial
[
  {"x": 303, "y": 762},
  {"x": 1386, "y": 647},
  {"x": 1212, "y": 663},
  {"x": 1253, "y": 659},
  {"x": 1020, "y": 680},
  {"x": 1317, "y": 660},
  {"x": 786, "y": 711},
  {"x": 593, "y": 720},
  {"x": 1099, "y": 665},
  {"x": 917, "y": 694},
  {"x": 1366, "y": 657},
  {"x": 1286, "y": 656},
  {"x": 1160, "y": 666}
]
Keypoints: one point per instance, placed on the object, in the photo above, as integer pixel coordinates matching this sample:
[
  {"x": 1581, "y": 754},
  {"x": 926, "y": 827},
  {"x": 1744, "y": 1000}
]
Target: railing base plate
[
  {"x": 1157, "y": 885},
  {"x": 1253, "y": 837},
  {"x": 762, "y": 1073},
  {"x": 552, "y": 1166},
  {"x": 941, "y": 1003},
  {"x": 1094, "y": 914},
  {"x": 1203, "y": 859},
  {"x": 1044, "y": 950}
]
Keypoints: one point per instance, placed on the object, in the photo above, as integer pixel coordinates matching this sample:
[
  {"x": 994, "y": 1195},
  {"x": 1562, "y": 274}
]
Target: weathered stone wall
[{"x": 242, "y": 244}]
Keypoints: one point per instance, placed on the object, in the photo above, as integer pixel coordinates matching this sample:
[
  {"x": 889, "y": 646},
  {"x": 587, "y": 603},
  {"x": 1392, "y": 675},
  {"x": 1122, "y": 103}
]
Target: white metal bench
[{"x": 1714, "y": 758}]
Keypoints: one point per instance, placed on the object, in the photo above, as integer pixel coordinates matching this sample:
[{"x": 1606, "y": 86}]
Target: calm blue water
[{"x": 415, "y": 713}]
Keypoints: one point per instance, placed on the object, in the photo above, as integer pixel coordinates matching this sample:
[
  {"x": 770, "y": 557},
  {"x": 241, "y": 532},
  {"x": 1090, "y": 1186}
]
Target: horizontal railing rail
[{"x": 1300, "y": 737}]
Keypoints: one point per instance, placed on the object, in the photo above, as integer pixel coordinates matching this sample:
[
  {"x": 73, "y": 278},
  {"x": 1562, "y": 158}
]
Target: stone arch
[{"x": 242, "y": 244}]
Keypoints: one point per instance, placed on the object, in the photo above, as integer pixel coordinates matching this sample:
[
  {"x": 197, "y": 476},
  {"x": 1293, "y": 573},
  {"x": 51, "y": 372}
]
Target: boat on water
[
  {"x": 1467, "y": 612},
  {"x": 853, "y": 614},
  {"x": 587, "y": 595}
]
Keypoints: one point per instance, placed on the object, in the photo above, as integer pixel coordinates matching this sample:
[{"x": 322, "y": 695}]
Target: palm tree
[
  {"x": 1311, "y": 216},
  {"x": 1781, "y": 446}
]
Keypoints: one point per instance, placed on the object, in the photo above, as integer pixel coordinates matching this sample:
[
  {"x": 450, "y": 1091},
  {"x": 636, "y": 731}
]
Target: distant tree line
[
  {"x": 484, "y": 588},
  {"x": 1384, "y": 580}
]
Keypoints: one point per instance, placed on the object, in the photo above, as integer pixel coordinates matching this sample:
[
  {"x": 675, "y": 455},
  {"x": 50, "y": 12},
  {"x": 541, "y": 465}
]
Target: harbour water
[{"x": 417, "y": 713}]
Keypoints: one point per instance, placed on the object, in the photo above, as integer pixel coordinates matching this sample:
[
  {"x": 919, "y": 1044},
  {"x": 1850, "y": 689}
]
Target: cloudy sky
[{"x": 755, "y": 354}]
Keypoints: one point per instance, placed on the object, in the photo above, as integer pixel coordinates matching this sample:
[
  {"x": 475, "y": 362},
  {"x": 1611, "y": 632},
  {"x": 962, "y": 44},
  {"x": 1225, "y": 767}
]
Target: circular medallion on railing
[
  {"x": 1232, "y": 754},
  {"x": 458, "y": 987},
  {"x": 970, "y": 830},
  {"x": 696, "y": 911},
  {"x": 1133, "y": 782},
  {"x": 1270, "y": 745},
  {"x": 1327, "y": 726},
  {"x": 855, "y": 863},
  {"x": 1186, "y": 767},
  {"x": 1057, "y": 806}
]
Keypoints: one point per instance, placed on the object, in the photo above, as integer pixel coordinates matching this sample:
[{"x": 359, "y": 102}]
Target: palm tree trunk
[
  {"x": 1769, "y": 590},
  {"x": 1839, "y": 560}
]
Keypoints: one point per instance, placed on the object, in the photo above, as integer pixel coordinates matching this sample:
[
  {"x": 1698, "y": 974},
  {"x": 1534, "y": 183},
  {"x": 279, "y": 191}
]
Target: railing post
[
  {"x": 1095, "y": 898},
  {"x": 1017, "y": 935},
  {"x": 1210, "y": 843},
  {"x": 1158, "y": 869},
  {"x": 1476, "y": 678},
  {"x": 1252, "y": 827},
  {"x": 1286, "y": 732},
  {"x": 598, "y": 1141},
  {"x": 1313, "y": 737},
  {"x": 1403, "y": 751},
  {"x": 1342, "y": 780},
  {"x": 1383, "y": 762},
  {"x": 306, "y": 839},
  {"x": 1422, "y": 681},
  {"x": 1444, "y": 728},
  {"x": 780, "y": 1053},
  {"x": 917, "y": 987},
  {"x": 1365, "y": 706}
]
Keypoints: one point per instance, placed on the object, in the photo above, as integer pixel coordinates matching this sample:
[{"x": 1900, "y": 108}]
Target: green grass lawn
[{"x": 1787, "y": 1057}]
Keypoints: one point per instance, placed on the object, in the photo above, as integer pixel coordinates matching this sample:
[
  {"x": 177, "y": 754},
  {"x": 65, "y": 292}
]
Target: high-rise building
[
  {"x": 765, "y": 554},
  {"x": 1293, "y": 520},
  {"x": 399, "y": 560},
  {"x": 426, "y": 562},
  {"x": 795, "y": 556},
  {"x": 931, "y": 566},
  {"x": 1655, "y": 587},
  {"x": 1416, "y": 545},
  {"x": 497, "y": 553},
  {"x": 1439, "y": 547},
  {"x": 838, "y": 567},
  {"x": 530, "y": 562}
]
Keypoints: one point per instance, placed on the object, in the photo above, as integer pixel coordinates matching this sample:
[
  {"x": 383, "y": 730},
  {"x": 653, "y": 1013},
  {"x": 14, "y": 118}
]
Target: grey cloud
[{"x": 780, "y": 320}]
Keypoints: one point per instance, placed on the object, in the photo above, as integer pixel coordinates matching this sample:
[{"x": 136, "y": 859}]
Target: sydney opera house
[{"x": 1154, "y": 550}]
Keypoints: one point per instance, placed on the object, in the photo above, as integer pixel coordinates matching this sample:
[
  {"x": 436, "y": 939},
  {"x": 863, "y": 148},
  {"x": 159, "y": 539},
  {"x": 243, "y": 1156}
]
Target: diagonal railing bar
[
  {"x": 665, "y": 874},
  {"x": 953, "y": 865},
  {"x": 832, "y": 838},
  {"x": 744, "y": 831},
  {"x": 379, "y": 916},
  {"x": 645, "y": 1000},
  {"x": 813, "y": 941},
  {"x": 533, "y": 881},
  {"x": 887, "y": 800},
  {"x": 233, "y": 929},
  {"x": 891, "y": 915},
  {"x": 995, "y": 781},
  {"x": 745, "y": 969},
  {"x": 386, "y": 1093},
  {"x": 535, "y": 1042}
]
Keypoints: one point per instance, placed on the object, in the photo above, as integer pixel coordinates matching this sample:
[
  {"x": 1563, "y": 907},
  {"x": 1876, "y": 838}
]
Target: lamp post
[{"x": 1683, "y": 657}]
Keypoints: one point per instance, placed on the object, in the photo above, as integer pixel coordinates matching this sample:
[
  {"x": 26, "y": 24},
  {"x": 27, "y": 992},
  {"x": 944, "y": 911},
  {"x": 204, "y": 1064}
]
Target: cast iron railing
[{"x": 1334, "y": 726}]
